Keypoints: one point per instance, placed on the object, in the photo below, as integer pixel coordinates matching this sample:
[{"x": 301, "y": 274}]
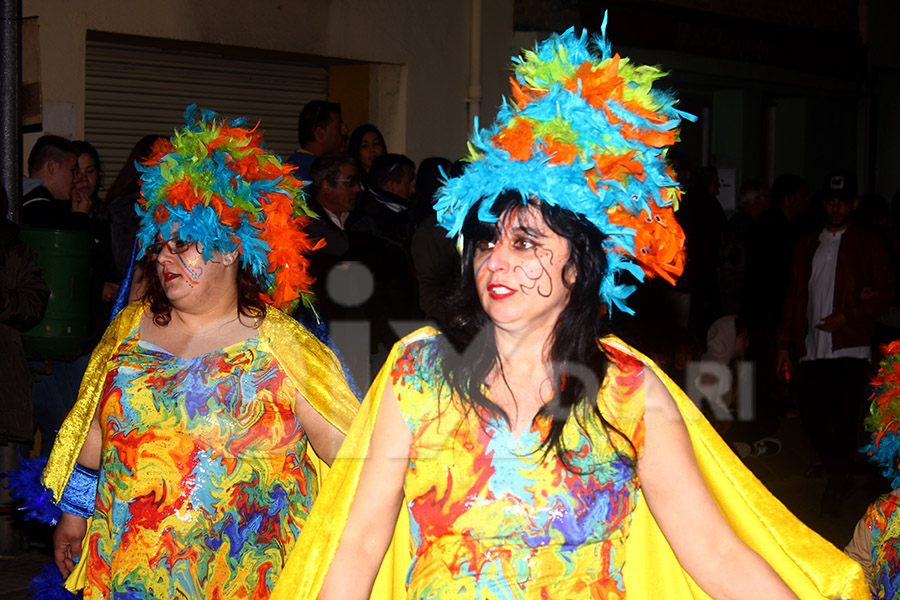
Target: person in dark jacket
[
  {"x": 47, "y": 199},
  {"x": 841, "y": 281},
  {"x": 320, "y": 129},
  {"x": 23, "y": 298}
]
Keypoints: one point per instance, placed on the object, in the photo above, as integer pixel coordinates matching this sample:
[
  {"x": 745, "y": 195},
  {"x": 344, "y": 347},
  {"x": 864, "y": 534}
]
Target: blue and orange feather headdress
[
  {"x": 586, "y": 131},
  {"x": 883, "y": 421},
  {"x": 213, "y": 182}
]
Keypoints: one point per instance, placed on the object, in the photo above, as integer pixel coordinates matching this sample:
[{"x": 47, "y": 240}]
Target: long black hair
[
  {"x": 578, "y": 364},
  {"x": 355, "y": 143}
]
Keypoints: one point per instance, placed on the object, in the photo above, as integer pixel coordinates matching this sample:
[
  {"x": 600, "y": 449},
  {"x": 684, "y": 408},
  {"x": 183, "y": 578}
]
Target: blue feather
[
  {"x": 492, "y": 171},
  {"x": 48, "y": 585},
  {"x": 24, "y": 485}
]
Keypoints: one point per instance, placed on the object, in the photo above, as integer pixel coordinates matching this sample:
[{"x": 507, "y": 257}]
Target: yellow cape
[
  {"x": 811, "y": 566},
  {"x": 310, "y": 365}
]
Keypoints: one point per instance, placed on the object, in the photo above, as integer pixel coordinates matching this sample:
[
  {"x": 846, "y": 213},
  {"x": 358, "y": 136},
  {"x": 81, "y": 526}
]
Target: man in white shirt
[{"x": 841, "y": 281}]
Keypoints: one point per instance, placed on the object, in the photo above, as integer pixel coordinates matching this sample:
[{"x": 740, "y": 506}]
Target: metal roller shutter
[{"x": 135, "y": 90}]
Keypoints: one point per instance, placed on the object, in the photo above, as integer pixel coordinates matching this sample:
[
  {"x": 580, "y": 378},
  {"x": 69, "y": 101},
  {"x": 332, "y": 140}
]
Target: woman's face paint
[
  {"x": 182, "y": 272},
  {"x": 191, "y": 266},
  {"x": 520, "y": 275}
]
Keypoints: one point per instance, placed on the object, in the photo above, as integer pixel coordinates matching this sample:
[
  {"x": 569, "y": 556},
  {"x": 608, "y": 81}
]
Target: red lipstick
[{"x": 499, "y": 292}]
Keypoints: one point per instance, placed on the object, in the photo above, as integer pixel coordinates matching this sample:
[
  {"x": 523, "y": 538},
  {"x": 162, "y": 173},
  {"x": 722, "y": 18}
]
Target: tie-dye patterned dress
[
  {"x": 882, "y": 519},
  {"x": 491, "y": 517},
  {"x": 204, "y": 481}
]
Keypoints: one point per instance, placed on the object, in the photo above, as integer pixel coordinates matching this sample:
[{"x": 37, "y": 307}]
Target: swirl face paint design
[
  {"x": 187, "y": 265},
  {"x": 541, "y": 282},
  {"x": 491, "y": 517},
  {"x": 183, "y": 250},
  {"x": 520, "y": 274}
]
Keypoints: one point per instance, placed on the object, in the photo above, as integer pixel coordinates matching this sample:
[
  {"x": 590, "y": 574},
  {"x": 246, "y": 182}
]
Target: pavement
[
  {"x": 17, "y": 572},
  {"x": 787, "y": 474},
  {"x": 25, "y": 551}
]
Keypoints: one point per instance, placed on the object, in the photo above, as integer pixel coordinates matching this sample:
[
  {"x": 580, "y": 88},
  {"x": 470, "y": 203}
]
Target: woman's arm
[
  {"x": 67, "y": 538},
  {"x": 326, "y": 439},
  {"x": 676, "y": 494},
  {"x": 860, "y": 549},
  {"x": 70, "y": 530},
  {"x": 376, "y": 504}
]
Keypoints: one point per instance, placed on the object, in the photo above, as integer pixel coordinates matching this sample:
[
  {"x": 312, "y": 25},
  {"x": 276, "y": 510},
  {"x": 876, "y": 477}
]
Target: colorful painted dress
[
  {"x": 204, "y": 481},
  {"x": 811, "y": 566},
  {"x": 491, "y": 517},
  {"x": 877, "y": 538}
]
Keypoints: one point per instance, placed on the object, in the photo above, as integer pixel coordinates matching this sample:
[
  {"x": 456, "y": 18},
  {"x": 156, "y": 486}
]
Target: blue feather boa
[
  {"x": 48, "y": 585},
  {"x": 25, "y": 486}
]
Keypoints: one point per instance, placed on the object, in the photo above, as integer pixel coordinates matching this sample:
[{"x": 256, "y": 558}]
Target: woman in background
[
  {"x": 121, "y": 199},
  {"x": 105, "y": 277},
  {"x": 366, "y": 144},
  {"x": 89, "y": 176}
]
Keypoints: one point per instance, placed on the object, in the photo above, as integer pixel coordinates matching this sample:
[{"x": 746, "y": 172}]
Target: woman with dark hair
[
  {"x": 433, "y": 254},
  {"x": 366, "y": 144},
  {"x": 89, "y": 176},
  {"x": 105, "y": 277},
  {"x": 190, "y": 462},
  {"x": 121, "y": 199},
  {"x": 534, "y": 452}
]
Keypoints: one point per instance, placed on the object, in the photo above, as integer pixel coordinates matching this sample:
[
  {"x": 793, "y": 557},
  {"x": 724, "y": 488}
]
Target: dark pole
[{"x": 11, "y": 91}]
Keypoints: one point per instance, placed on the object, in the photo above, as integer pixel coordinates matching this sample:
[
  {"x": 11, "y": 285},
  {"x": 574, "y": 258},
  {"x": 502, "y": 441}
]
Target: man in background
[
  {"x": 320, "y": 129},
  {"x": 47, "y": 200},
  {"x": 841, "y": 281}
]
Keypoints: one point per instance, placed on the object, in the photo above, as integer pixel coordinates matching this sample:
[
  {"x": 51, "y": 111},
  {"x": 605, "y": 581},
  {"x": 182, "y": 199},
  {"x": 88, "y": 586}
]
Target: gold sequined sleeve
[
  {"x": 75, "y": 427},
  {"x": 313, "y": 368}
]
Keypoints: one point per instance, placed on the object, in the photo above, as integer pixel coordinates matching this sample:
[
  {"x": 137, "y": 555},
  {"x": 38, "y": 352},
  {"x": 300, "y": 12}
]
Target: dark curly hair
[
  {"x": 250, "y": 295},
  {"x": 578, "y": 364}
]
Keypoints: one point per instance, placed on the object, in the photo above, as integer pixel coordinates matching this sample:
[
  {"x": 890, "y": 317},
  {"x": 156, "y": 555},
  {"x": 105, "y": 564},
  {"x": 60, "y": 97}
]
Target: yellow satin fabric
[
  {"x": 312, "y": 367},
  {"x": 810, "y": 565},
  {"x": 74, "y": 428}
]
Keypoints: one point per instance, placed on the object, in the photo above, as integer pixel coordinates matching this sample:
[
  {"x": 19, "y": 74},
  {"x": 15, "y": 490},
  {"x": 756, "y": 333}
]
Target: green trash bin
[{"x": 65, "y": 261}]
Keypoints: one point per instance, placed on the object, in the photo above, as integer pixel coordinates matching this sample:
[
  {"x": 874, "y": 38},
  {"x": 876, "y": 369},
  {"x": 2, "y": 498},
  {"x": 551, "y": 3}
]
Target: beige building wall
[{"x": 418, "y": 51}]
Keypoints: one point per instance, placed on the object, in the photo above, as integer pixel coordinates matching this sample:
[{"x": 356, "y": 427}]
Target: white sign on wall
[{"x": 728, "y": 188}]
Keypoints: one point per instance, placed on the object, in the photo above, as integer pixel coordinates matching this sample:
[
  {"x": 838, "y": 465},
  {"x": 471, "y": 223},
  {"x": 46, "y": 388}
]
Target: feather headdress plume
[
  {"x": 214, "y": 183},
  {"x": 585, "y": 131},
  {"x": 883, "y": 421}
]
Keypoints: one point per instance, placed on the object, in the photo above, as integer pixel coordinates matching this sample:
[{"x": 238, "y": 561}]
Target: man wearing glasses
[{"x": 334, "y": 187}]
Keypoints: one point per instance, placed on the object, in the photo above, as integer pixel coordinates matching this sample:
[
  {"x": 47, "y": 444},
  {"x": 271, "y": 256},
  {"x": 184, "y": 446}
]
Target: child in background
[
  {"x": 717, "y": 382},
  {"x": 876, "y": 539},
  {"x": 718, "y": 386}
]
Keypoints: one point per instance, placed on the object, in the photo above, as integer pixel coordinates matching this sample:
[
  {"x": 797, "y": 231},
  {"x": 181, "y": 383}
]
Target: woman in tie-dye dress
[
  {"x": 191, "y": 461},
  {"x": 523, "y": 443}
]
